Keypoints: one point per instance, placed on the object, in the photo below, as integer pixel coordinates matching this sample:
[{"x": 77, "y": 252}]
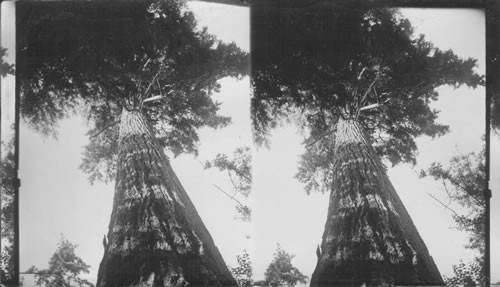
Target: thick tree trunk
[
  {"x": 369, "y": 237},
  {"x": 156, "y": 237}
]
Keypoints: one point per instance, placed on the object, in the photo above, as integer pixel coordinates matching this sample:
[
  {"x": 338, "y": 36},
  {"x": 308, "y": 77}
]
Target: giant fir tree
[
  {"x": 143, "y": 76},
  {"x": 360, "y": 84}
]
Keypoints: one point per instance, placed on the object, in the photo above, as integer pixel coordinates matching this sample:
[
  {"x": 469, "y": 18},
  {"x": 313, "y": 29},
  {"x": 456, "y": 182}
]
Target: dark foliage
[
  {"x": 7, "y": 176},
  {"x": 467, "y": 275},
  {"x": 100, "y": 156},
  {"x": 243, "y": 272},
  {"x": 99, "y": 58},
  {"x": 5, "y": 68},
  {"x": 493, "y": 64},
  {"x": 316, "y": 165},
  {"x": 352, "y": 62}
]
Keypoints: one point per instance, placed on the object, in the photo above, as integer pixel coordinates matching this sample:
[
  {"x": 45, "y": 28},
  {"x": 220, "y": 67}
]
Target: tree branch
[
  {"x": 361, "y": 73},
  {"x": 74, "y": 264},
  {"x": 228, "y": 195},
  {"x": 7, "y": 188},
  {"x": 446, "y": 206},
  {"x": 373, "y": 106},
  {"x": 369, "y": 107},
  {"x": 319, "y": 138},
  {"x": 447, "y": 191},
  {"x": 464, "y": 189},
  {"x": 367, "y": 92},
  {"x": 149, "y": 86},
  {"x": 105, "y": 128},
  {"x": 146, "y": 64},
  {"x": 446, "y": 176},
  {"x": 232, "y": 181},
  {"x": 159, "y": 87},
  {"x": 154, "y": 98},
  {"x": 41, "y": 273},
  {"x": 240, "y": 173}
]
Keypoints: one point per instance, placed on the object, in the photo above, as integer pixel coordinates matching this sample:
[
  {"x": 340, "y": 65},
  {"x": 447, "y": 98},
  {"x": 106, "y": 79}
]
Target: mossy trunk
[
  {"x": 156, "y": 237},
  {"x": 369, "y": 237}
]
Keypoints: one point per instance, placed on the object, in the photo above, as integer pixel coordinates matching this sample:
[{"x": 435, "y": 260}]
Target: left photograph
[{"x": 134, "y": 143}]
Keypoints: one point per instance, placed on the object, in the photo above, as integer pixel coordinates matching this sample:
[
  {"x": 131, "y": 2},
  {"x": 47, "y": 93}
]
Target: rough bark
[
  {"x": 369, "y": 237},
  {"x": 156, "y": 237}
]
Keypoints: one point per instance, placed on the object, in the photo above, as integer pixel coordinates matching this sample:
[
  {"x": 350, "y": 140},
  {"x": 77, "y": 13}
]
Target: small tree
[
  {"x": 281, "y": 272},
  {"x": 64, "y": 269}
]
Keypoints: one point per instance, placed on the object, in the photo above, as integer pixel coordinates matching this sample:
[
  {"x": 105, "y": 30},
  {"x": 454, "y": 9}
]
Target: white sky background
[{"x": 57, "y": 198}]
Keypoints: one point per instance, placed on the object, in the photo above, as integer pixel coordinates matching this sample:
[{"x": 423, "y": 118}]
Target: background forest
[{"x": 282, "y": 212}]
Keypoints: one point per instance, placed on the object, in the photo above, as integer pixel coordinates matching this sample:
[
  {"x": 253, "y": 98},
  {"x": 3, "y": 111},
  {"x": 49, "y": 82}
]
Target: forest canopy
[
  {"x": 99, "y": 58},
  {"x": 314, "y": 66}
]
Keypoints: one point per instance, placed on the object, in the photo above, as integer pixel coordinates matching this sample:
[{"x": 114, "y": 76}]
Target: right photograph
[{"x": 369, "y": 165}]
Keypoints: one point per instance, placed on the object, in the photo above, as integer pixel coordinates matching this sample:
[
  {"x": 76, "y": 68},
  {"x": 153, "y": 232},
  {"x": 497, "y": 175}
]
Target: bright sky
[{"x": 57, "y": 198}]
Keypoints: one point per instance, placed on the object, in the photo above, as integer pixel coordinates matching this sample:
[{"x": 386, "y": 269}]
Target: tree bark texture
[
  {"x": 369, "y": 237},
  {"x": 155, "y": 237}
]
